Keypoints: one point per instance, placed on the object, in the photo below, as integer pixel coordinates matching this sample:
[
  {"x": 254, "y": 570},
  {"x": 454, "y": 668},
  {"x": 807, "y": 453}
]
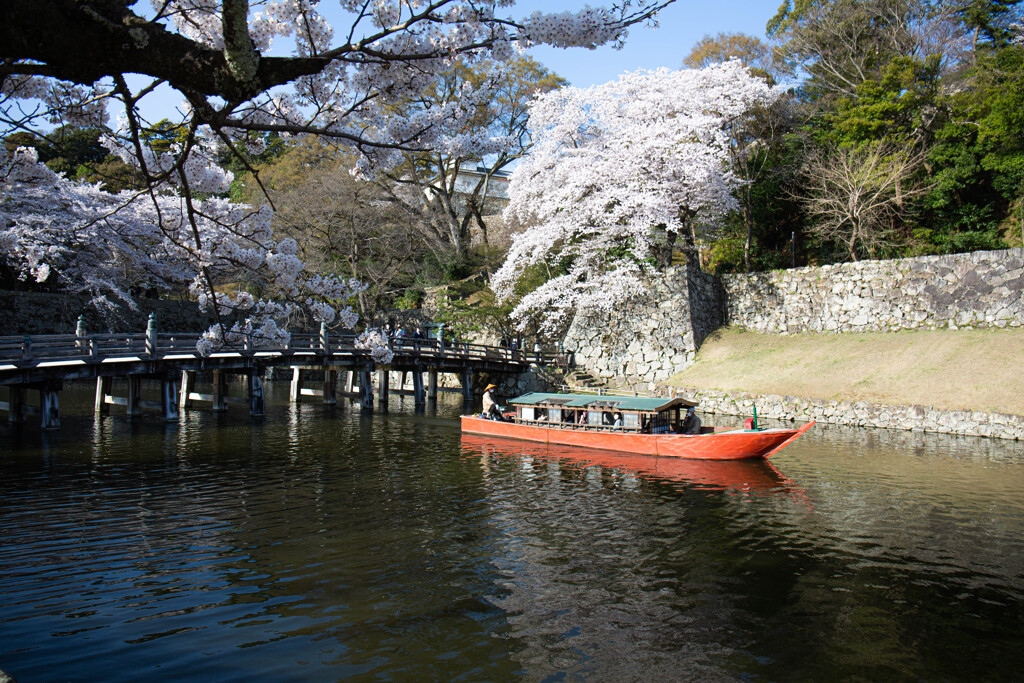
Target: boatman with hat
[{"x": 491, "y": 409}]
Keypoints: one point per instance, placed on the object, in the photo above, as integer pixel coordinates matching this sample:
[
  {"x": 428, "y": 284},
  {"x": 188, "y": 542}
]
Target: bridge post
[
  {"x": 330, "y": 384},
  {"x": 432, "y": 385},
  {"x": 256, "y": 402},
  {"x": 220, "y": 391},
  {"x": 49, "y": 407},
  {"x": 467, "y": 385},
  {"x": 295, "y": 391},
  {"x": 151, "y": 335},
  {"x": 80, "y": 342},
  {"x": 188, "y": 383},
  {"x": 102, "y": 389},
  {"x": 134, "y": 395},
  {"x": 16, "y": 404},
  {"x": 325, "y": 341},
  {"x": 349, "y": 377},
  {"x": 366, "y": 388},
  {"x": 383, "y": 387},
  {"x": 417, "y": 386},
  {"x": 168, "y": 398}
]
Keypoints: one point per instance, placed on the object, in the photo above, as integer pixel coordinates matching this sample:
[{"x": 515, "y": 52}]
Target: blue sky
[{"x": 682, "y": 24}]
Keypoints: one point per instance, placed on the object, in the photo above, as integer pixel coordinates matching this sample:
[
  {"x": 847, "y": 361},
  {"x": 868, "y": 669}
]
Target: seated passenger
[{"x": 691, "y": 425}]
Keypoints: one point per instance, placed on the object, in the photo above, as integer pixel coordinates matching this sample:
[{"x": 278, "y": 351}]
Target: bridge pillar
[
  {"x": 134, "y": 396},
  {"x": 432, "y": 385},
  {"x": 330, "y": 384},
  {"x": 366, "y": 389},
  {"x": 220, "y": 391},
  {"x": 467, "y": 385},
  {"x": 49, "y": 407},
  {"x": 16, "y": 404},
  {"x": 349, "y": 377},
  {"x": 102, "y": 389},
  {"x": 188, "y": 383},
  {"x": 256, "y": 403},
  {"x": 383, "y": 387},
  {"x": 417, "y": 387},
  {"x": 168, "y": 399},
  {"x": 295, "y": 389}
]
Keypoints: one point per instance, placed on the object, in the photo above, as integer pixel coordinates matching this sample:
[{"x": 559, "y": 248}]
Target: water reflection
[
  {"x": 321, "y": 543},
  {"x": 755, "y": 476}
]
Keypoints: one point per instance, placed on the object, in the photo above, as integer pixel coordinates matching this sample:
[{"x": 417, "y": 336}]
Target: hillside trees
[
  {"x": 64, "y": 61},
  {"x": 343, "y": 225},
  {"x": 921, "y": 80},
  {"x": 427, "y": 184},
  {"x": 621, "y": 174}
]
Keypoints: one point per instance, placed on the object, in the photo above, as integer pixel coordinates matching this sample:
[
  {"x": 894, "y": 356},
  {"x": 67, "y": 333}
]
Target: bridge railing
[{"x": 32, "y": 349}]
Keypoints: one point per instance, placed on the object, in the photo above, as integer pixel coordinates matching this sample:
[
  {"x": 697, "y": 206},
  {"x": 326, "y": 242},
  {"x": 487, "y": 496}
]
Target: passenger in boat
[
  {"x": 691, "y": 425},
  {"x": 490, "y": 406},
  {"x": 617, "y": 419}
]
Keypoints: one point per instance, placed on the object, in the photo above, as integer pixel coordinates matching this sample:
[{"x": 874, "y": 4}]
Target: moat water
[{"x": 320, "y": 544}]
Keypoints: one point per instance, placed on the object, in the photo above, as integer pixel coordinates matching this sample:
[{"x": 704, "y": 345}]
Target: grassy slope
[{"x": 966, "y": 369}]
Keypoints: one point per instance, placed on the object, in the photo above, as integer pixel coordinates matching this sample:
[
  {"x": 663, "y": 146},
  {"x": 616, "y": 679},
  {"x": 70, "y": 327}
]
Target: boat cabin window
[
  {"x": 527, "y": 412},
  {"x": 595, "y": 417},
  {"x": 631, "y": 421}
]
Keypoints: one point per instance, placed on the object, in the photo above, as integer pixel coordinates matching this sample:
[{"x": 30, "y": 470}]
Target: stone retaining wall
[
  {"x": 980, "y": 289},
  {"x": 654, "y": 336},
  {"x": 860, "y": 414},
  {"x": 43, "y": 313}
]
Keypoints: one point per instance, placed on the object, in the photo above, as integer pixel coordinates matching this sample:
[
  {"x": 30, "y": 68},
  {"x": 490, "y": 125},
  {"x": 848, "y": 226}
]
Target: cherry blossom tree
[
  {"x": 64, "y": 62},
  {"x": 619, "y": 174}
]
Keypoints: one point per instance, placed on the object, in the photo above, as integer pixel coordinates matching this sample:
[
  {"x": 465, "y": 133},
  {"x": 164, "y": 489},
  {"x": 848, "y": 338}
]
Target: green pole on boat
[{"x": 755, "y": 418}]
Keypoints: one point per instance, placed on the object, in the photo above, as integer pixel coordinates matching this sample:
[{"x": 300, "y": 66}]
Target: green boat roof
[{"x": 653, "y": 404}]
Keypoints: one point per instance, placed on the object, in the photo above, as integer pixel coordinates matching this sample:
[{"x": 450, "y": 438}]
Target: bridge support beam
[
  {"x": 467, "y": 385},
  {"x": 383, "y": 388},
  {"x": 295, "y": 389},
  {"x": 169, "y": 399},
  {"x": 49, "y": 407},
  {"x": 330, "y": 386},
  {"x": 349, "y": 380},
  {"x": 102, "y": 390},
  {"x": 257, "y": 407},
  {"x": 366, "y": 389},
  {"x": 220, "y": 391},
  {"x": 432, "y": 385},
  {"x": 134, "y": 396},
  {"x": 17, "y": 406},
  {"x": 419, "y": 396}
]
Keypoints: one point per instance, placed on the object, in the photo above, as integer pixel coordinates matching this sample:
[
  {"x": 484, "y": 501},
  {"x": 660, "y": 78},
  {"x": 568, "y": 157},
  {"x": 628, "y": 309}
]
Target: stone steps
[{"x": 584, "y": 380}]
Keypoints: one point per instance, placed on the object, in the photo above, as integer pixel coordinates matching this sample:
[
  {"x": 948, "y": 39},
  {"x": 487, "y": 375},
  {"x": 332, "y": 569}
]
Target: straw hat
[{"x": 490, "y": 386}]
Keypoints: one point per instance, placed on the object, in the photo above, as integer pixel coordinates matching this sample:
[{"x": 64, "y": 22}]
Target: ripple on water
[{"x": 318, "y": 544}]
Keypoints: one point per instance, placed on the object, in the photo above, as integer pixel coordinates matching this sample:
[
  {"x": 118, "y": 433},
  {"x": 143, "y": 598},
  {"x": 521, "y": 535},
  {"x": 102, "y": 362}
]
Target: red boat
[{"x": 630, "y": 424}]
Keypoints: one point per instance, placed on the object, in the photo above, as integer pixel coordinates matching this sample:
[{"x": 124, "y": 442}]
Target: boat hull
[{"x": 737, "y": 444}]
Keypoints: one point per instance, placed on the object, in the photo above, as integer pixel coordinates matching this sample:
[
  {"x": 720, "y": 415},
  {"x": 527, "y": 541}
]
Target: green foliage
[
  {"x": 411, "y": 298},
  {"x": 898, "y": 107},
  {"x": 76, "y": 153}
]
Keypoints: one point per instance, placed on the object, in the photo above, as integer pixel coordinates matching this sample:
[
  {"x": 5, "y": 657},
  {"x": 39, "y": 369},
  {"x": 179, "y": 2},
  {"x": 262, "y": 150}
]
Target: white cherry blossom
[{"x": 620, "y": 173}]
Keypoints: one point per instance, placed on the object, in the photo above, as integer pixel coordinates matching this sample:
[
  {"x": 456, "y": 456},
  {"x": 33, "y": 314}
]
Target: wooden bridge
[{"x": 44, "y": 363}]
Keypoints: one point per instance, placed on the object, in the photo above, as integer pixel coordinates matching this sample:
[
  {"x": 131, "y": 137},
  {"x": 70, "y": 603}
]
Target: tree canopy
[{"x": 64, "y": 62}]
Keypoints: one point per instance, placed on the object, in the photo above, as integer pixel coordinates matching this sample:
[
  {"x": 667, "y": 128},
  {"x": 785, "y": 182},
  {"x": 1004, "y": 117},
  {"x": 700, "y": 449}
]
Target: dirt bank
[{"x": 963, "y": 369}]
